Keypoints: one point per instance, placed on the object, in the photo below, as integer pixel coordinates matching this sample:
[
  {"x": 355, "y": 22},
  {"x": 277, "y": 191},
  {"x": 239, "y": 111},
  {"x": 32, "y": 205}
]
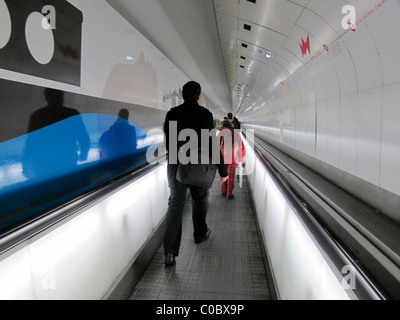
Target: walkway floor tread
[{"x": 228, "y": 266}]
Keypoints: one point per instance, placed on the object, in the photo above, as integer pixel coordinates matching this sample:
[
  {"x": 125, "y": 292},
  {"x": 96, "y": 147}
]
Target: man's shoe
[
  {"x": 231, "y": 197},
  {"x": 207, "y": 235},
  {"x": 223, "y": 194},
  {"x": 169, "y": 260}
]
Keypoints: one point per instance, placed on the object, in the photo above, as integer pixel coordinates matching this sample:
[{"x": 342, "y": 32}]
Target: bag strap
[{"x": 179, "y": 125}]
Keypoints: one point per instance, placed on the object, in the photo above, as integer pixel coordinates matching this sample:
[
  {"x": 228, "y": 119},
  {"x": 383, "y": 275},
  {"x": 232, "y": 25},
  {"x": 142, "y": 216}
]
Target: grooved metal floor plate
[{"x": 228, "y": 266}]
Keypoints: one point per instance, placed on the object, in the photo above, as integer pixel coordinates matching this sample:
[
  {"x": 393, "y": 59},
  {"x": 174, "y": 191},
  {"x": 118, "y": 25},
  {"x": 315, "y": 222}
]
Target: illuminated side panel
[
  {"x": 82, "y": 258},
  {"x": 300, "y": 271}
]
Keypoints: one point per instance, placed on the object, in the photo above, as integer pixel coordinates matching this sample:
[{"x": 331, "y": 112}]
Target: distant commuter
[
  {"x": 233, "y": 151},
  {"x": 189, "y": 115},
  {"x": 235, "y": 121}
]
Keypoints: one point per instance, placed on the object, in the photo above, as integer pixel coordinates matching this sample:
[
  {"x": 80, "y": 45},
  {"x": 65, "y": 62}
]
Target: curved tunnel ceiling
[
  {"x": 311, "y": 56},
  {"x": 224, "y": 43}
]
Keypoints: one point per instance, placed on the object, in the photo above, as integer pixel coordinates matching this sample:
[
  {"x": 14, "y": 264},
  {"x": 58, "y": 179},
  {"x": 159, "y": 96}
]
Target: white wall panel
[
  {"x": 384, "y": 25},
  {"x": 302, "y": 86},
  {"x": 319, "y": 82},
  {"x": 228, "y": 7},
  {"x": 328, "y": 71},
  {"x": 390, "y": 169},
  {"x": 346, "y": 71},
  {"x": 294, "y": 97},
  {"x": 365, "y": 58},
  {"x": 289, "y": 134},
  {"x": 294, "y": 62},
  {"x": 369, "y": 135},
  {"x": 322, "y": 130},
  {"x": 333, "y": 131},
  {"x": 348, "y": 133},
  {"x": 305, "y": 128},
  {"x": 310, "y": 22},
  {"x": 309, "y": 87}
]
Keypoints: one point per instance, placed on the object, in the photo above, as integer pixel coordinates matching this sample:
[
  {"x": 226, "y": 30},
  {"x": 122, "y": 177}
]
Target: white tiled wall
[{"x": 353, "y": 123}]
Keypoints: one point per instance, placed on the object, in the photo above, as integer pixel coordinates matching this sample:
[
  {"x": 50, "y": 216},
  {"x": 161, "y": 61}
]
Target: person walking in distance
[
  {"x": 189, "y": 115},
  {"x": 233, "y": 151},
  {"x": 235, "y": 122}
]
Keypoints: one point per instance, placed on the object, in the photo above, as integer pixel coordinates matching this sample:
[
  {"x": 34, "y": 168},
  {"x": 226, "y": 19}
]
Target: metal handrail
[
  {"x": 336, "y": 255},
  {"x": 63, "y": 213}
]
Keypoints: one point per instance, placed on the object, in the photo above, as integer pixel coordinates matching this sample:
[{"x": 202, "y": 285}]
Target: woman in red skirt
[{"x": 233, "y": 151}]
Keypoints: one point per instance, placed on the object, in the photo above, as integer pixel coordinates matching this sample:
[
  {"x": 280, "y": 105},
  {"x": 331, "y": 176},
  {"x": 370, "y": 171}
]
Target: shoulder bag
[{"x": 195, "y": 173}]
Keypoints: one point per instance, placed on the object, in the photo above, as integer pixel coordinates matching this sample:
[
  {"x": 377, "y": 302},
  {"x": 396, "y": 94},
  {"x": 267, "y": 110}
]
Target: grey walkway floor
[{"x": 228, "y": 266}]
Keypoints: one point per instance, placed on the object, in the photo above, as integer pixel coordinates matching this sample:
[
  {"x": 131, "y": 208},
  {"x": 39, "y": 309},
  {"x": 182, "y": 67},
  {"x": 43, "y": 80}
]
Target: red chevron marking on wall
[{"x": 305, "y": 46}]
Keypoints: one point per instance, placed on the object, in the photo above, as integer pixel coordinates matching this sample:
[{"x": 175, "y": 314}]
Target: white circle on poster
[
  {"x": 40, "y": 40},
  {"x": 5, "y": 24}
]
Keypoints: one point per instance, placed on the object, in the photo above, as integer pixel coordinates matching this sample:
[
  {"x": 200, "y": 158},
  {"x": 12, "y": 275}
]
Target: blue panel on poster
[{"x": 53, "y": 164}]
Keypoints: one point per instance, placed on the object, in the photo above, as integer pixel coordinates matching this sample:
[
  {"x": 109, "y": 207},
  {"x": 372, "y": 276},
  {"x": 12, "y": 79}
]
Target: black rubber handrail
[{"x": 64, "y": 212}]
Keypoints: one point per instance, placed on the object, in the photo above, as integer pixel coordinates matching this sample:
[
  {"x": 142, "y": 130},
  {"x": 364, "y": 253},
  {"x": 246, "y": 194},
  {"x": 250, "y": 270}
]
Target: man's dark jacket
[{"x": 191, "y": 116}]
